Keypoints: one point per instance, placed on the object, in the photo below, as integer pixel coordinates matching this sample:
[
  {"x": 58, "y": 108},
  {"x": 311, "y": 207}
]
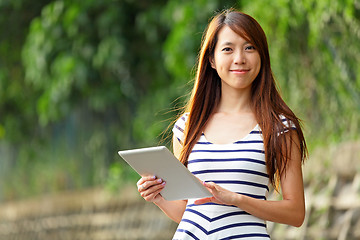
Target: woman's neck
[{"x": 235, "y": 101}]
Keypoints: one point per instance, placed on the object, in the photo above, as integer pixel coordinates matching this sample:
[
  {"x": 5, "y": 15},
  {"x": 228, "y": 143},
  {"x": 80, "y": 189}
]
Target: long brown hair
[{"x": 266, "y": 101}]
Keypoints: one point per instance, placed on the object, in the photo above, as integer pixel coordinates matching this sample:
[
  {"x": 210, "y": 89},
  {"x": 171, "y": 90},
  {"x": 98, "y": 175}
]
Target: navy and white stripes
[{"x": 239, "y": 167}]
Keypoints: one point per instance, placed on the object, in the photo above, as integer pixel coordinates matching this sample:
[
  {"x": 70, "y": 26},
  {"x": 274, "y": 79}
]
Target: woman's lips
[{"x": 240, "y": 71}]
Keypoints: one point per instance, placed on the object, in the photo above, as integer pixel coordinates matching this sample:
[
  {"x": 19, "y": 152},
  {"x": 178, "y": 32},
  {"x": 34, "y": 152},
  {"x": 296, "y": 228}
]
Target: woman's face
[{"x": 236, "y": 61}]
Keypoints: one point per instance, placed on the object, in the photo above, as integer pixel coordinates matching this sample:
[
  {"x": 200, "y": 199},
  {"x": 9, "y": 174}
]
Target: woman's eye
[
  {"x": 250, "y": 48},
  {"x": 227, "y": 49}
]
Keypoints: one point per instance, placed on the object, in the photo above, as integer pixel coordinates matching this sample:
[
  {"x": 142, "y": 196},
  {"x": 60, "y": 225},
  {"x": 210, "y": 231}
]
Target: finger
[
  {"x": 144, "y": 179},
  {"x": 210, "y": 185},
  {"x": 153, "y": 195},
  {"x": 152, "y": 189},
  {"x": 149, "y": 184},
  {"x": 142, "y": 183},
  {"x": 203, "y": 200},
  {"x": 141, "y": 188}
]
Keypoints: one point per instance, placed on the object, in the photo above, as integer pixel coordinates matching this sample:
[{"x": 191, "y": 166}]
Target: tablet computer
[{"x": 160, "y": 162}]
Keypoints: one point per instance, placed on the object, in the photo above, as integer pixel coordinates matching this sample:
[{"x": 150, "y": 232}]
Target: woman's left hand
[{"x": 220, "y": 195}]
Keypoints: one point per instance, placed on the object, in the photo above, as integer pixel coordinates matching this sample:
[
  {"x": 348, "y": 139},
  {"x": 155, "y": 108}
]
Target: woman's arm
[
  {"x": 150, "y": 189},
  {"x": 173, "y": 209},
  {"x": 290, "y": 210}
]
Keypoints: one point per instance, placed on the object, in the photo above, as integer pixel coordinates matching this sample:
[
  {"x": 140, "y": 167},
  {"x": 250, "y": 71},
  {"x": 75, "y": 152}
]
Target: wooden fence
[
  {"x": 332, "y": 186},
  {"x": 92, "y": 214}
]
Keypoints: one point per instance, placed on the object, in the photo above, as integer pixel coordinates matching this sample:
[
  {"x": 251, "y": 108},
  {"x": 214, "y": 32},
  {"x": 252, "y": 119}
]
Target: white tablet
[{"x": 160, "y": 162}]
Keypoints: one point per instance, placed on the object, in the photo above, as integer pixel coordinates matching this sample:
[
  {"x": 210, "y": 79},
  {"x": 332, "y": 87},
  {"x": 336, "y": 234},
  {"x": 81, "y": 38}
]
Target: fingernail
[
  {"x": 159, "y": 180},
  {"x": 163, "y": 183},
  {"x": 153, "y": 177}
]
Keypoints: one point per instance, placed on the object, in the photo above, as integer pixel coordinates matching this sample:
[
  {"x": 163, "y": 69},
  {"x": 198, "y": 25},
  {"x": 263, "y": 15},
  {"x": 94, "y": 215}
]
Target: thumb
[{"x": 210, "y": 185}]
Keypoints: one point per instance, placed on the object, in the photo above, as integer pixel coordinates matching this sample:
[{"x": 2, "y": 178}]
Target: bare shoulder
[{"x": 177, "y": 147}]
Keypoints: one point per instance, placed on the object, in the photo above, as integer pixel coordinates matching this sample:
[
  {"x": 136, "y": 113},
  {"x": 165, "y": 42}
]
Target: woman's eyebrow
[
  {"x": 232, "y": 44},
  {"x": 227, "y": 44}
]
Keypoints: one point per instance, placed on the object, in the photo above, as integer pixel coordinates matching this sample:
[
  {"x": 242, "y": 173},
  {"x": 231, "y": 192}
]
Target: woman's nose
[{"x": 239, "y": 58}]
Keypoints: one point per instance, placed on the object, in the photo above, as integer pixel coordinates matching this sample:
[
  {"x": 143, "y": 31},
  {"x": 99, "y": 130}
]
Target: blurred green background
[{"x": 80, "y": 80}]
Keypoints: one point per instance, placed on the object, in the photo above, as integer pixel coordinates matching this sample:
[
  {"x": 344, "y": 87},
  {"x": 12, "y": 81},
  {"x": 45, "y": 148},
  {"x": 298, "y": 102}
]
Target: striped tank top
[{"x": 238, "y": 167}]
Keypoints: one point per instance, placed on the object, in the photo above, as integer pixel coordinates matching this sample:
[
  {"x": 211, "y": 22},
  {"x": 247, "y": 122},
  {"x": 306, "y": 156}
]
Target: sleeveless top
[{"x": 238, "y": 167}]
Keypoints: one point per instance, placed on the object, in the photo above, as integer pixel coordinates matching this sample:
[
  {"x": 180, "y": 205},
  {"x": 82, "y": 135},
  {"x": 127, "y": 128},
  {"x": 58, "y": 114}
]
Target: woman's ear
[{"x": 212, "y": 62}]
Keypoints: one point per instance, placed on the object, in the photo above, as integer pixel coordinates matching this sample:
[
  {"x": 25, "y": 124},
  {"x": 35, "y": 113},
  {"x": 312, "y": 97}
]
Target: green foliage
[
  {"x": 16, "y": 101},
  {"x": 80, "y": 80},
  {"x": 315, "y": 53},
  {"x": 69, "y": 60},
  {"x": 187, "y": 20}
]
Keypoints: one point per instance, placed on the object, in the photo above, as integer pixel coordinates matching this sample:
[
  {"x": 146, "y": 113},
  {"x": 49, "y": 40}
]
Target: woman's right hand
[{"x": 150, "y": 187}]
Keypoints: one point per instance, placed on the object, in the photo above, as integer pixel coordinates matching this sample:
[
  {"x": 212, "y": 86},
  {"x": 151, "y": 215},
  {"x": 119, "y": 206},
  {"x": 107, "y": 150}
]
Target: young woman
[{"x": 238, "y": 136}]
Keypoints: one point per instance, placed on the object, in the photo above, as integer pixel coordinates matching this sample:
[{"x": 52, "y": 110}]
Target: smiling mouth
[{"x": 240, "y": 70}]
